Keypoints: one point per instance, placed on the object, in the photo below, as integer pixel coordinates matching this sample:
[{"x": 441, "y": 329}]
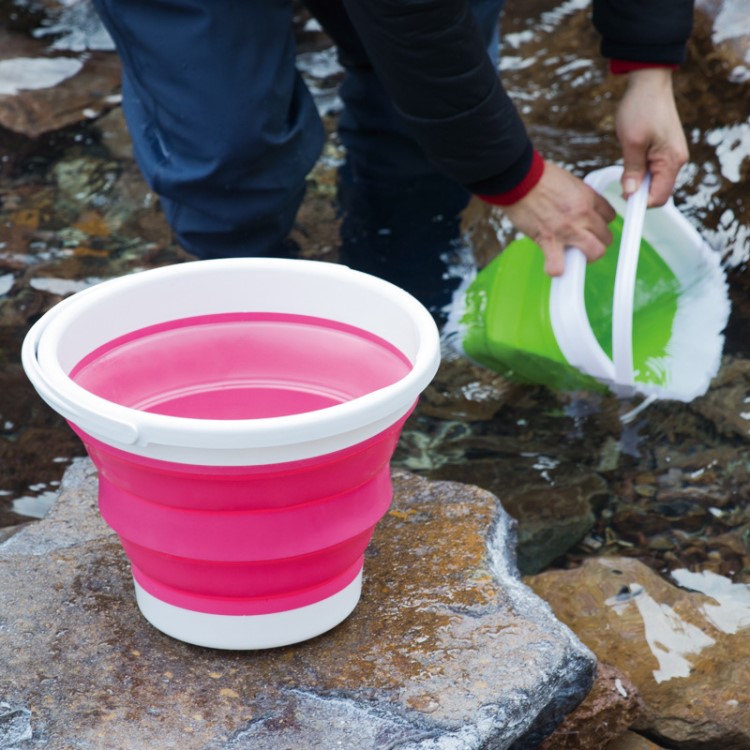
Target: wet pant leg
[
  {"x": 401, "y": 218},
  {"x": 223, "y": 127},
  {"x": 378, "y": 144}
]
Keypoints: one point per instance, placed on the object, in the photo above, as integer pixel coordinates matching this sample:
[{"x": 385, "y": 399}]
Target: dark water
[{"x": 585, "y": 474}]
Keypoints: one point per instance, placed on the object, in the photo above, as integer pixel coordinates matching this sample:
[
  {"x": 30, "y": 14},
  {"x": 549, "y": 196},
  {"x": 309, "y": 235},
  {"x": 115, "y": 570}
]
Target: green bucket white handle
[
  {"x": 647, "y": 318},
  {"x": 570, "y": 320}
]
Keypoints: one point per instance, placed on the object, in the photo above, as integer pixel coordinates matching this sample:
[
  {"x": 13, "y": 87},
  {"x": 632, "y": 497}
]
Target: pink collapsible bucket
[{"x": 242, "y": 415}]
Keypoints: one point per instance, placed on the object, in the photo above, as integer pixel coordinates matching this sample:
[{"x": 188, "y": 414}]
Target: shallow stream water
[{"x": 583, "y": 473}]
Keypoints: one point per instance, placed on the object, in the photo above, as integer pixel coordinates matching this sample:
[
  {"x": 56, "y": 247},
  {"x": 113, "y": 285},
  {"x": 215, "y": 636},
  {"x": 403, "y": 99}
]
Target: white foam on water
[
  {"x": 733, "y": 21},
  {"x": 732, "y": 144}
]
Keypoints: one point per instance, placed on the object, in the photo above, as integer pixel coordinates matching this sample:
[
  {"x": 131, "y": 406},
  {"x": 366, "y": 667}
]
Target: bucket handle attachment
[
  {"x": 567, "y": 306},
  {"x": 112, "y": 429}
]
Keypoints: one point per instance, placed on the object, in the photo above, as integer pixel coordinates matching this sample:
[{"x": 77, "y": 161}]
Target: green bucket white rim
[{"x": 694, "y": 264}]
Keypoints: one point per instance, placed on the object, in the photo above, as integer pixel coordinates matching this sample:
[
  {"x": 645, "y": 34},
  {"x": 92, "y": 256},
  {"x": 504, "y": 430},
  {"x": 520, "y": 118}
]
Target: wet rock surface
[
  {"x": 447, "y": 647},
  {"x": 57, "y": 74},
  {"x": 632, "y": 741},
  {"x": 608, "y": 710},
  {"x": 685, "y": 649}
]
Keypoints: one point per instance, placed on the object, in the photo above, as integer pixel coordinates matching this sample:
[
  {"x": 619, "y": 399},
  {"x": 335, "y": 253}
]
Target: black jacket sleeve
[
  {"x": 432, "y": 60},
  {"x": 650, "y": 31}
]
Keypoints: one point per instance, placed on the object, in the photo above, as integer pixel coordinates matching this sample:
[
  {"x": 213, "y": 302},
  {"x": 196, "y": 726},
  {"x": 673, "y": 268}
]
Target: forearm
[{"x": 432, "y": 60}]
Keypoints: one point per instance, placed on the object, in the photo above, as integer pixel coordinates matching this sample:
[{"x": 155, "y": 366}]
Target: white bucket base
[{"x": 249, "y": 632}]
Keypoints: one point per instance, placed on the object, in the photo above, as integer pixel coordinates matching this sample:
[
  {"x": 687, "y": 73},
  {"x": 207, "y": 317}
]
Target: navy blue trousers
[{"x": 225, "y": 130}]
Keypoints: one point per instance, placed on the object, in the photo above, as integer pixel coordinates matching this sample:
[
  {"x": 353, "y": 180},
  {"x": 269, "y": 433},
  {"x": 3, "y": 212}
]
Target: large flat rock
[{"x": 446, "y": 650}]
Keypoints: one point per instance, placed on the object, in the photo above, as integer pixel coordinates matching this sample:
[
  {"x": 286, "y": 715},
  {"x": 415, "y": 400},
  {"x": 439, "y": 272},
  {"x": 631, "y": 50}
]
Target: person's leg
[
  {"x": 401, "y": 217},
  {"x": 379, "y": 146},
  {"x": 223, "y": 128}
]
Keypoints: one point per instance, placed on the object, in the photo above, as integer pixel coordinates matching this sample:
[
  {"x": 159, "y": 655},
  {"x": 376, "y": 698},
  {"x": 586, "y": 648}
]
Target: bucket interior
[
  {"x": 235, "y": 361},
  {"x": 240, "y": 366}
]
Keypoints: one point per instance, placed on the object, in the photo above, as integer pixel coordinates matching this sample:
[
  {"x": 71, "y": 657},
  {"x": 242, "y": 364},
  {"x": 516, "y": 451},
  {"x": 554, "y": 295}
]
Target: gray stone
[
  {"x": 15, "y": 724},
  {"x": 447, "y": 650}
]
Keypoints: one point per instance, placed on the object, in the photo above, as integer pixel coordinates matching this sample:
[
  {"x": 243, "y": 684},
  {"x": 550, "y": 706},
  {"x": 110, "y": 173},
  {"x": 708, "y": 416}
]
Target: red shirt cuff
[
  {"x": 619, "y": 67},
  {"x": 509, "y": 197}
]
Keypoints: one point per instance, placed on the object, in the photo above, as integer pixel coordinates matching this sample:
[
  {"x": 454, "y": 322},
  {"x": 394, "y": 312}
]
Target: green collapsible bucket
[{"x": 646, "y": 318}]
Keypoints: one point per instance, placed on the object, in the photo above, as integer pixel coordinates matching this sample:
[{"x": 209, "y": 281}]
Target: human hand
[
  {"x": 651, "y": 134},
  {"x": 562, "y": 211}
]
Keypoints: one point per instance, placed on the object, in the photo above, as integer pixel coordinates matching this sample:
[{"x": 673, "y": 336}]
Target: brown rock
[
  {"x": 447, "y": 645},
  {"x": 84, "y": 94},
  {"x": 632, "y": 741},
  {"x": 610, "y": 708},
  {"x": 688, "y": 654}
]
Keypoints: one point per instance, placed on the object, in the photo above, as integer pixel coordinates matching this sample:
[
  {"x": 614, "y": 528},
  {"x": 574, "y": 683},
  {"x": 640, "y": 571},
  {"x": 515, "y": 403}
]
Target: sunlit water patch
[
  {"x": 322, "y": 73},
  {"x": 75, "y": 27},
  {"x": 6, "y": 283},
  {"x": 730, "y": 611},
  {"x": 29, "y": 73},
  {"x": 672, "y": 639},
  {"x": 62, "y": 287},
  {"x": 732, "y": 23},
  {"x": 36, "y": 506}
]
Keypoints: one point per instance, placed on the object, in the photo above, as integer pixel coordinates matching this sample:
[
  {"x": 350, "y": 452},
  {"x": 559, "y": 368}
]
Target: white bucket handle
[
  {"x": 627, "y": 266},
  {"x": 570, "y": 321},
  {"x": 108, "y": 428}
]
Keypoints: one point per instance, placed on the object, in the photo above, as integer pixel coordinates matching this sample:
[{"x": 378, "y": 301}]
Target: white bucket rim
[{"x": 277, "y": 438}]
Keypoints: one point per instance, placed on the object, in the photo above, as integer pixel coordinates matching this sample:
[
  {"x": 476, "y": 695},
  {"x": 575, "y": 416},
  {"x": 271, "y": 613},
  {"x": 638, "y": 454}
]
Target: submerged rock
[
  {"x": 447, "y": 648},
  {"x": 686, "y": 652},
  {"x": 725, "y": 405},
  {"x": 632, "y": 741},
  {"x": 554, "y": 510}
]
